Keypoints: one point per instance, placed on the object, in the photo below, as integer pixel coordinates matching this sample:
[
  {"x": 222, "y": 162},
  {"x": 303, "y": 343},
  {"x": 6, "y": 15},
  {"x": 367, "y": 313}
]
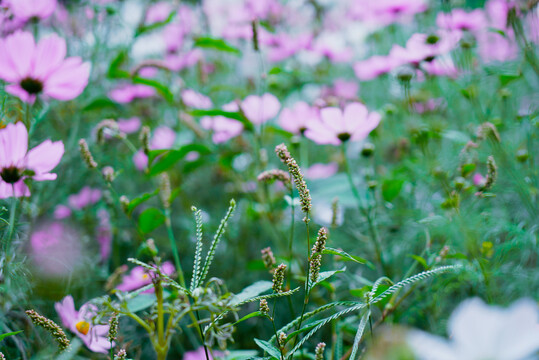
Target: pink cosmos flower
[
  {"x": 385, "y": 12},
  {"x": 336, "y": 126},
  {"x": 55, "y": 250},
  {"x": 345, "y": 89},
  {"x": 177, "y": 62},
  {"x": 479, "y": 180},
  {"x": 200, "y": 354},
  {"x": 259, "y": 109},
  {"x": 139, "y": 277},
  {"x": 223, "y": 128},
  {"x": 286, "y": 46},
  {"x": 441, "y": 66},
  {"x": 196, "y": 100},
  {"x": 333, "y": 46},
  {"x": 17, "y": 163},
  {"x": 34, "y": 69},
  {"x": 321, "y": 171},
  {"x": 62, "y": 212},
  {"x": 86, "y": 197},
  {"x": 163, "y": 138},
  {"x": 28, "y": 9},
  {"x": 127, "y": 93},
  {"x": 374, "y": 66},
  {"x": 421, "y": 47},
  {"x": 460, "y": 20},
  {"x": 129, "y": 126},
  {"x": 296, "y": 119},
  {"x": 80, "y": 323},
  {"x": 158, "y": 12}
]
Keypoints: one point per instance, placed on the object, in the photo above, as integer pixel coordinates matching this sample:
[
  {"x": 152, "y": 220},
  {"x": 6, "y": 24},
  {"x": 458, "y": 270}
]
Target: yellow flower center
[{"x": 83, "y": 327}]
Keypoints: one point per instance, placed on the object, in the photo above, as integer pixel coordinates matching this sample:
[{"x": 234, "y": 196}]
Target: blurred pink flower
[
  {"x": 336, "y": 126},
  {"x": 104, "y": 234},
  {"x": 458, "y": 19},
  {"x": 139, "y": 277},
  {"x": 126, "y": 93},
  {"x": 441, "y": 66},
  {"x": 28, "y": 9},
  {"x": 321, "y": 171},
  {"x": 286, "y": 46},
  {"x": 129, "y": 126},
  {"x": 427, "y": 106},
  {"x": 373, "y": 67},
  {"x": 200, "y": 354},
  {"x": 16, "y": 160},
  {"x": 158, "y": 12},
  {"x": 196, "y": 100},
  {"x": 55, "y": 250},
  {"x": 479, "y": 180},
  {"x": 333, "y": 46},
  {"x": 163, "y": 138},
  {"x": 80, "y": 323},
  {"x": 345, "y": 89},
  {"x": 177, "y": 62},
  {"x": 222, "y": 127},
  {"x": 259, "y": 109},
  {"x": 87, "y": 196},
  {"x": 295, "y": 119},
  {"x": 34, "y": 69},
  {"x": 62, "y": 212}
]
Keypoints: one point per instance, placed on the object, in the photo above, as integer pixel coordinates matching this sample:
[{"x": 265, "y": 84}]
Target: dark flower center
[
  {"x": 432, "y": 39},
  {"x": 302, "y": 130},
  {"x": 11, "y": 174},
  {"x": 344, "y": 137},
  {"x": 32, "y": 86}
]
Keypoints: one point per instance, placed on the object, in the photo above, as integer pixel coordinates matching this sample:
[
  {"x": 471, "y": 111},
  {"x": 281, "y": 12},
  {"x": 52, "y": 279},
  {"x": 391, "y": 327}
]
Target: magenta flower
[
  {"x": 374, "y": 66},
  {"x": 296, "y": 119},
  {"x": 17, "y": 163},
  {"x": 129, "y": 126},
  {"x": 80, "y": 323},
  {"x": 32, "y": 9},
  {"x": 259, "y": 109},
  {"x": 460, "y": 20},
  {"x": 423, "y": 47},
  {"x": 86, "y": 197},
  {"x": 222, "y": 127},
  {"x": 389, "y": 11},
  {"x": 158, "y": 12},
  {"x": 196, "y": 100},
  {"x": 127, "y": 93},
  {"x": 441, "y": 66},
  {"x": 34, "y": 69},
  {"x": 200, "y": 354},
  {"x": 286, "y": 46},
  {"x": 176, "y": 62},
  {"x": 62, "y": 212},
  {"x": 139, "y": 277},
  {"x": 321, "y": 171},
  {"x": 336, "y": 126}
]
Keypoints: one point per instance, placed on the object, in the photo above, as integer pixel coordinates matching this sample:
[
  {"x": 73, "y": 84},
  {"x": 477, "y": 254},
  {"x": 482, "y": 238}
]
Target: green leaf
[
  {"x": 344, "y": 255},
  {"x": 248, "y": 316},
  {"x": 420, "y": 260},
  {"x": 139, "y": 200},
  {"x": 114, "y": 71},
  {"x": 169, "y": 158},
  {"x": 456, "y": 136},
  {"x": 269, "y": 348},
  {"x": 324, "y": 275},
  {"x": 467, "y": 169},
  {"x": 146, "y": 28},
  {"x": 150, "y": 219},
  {"x": 141, "y": 302},
  {"x": 162, "y": 89},
  {"x": 235, "y": 115},
  {"x": 251, "y": 291},
  {"x": 391, "y": 188},
  {"x": 217, "y": 44},
  {"x": 100, "y": 103},
  {"x": 240, "y": 354},
  {"x": 3, "y": 336}
]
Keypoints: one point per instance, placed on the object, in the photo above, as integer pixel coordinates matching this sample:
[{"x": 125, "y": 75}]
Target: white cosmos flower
[{"x": 481, "y": 332}]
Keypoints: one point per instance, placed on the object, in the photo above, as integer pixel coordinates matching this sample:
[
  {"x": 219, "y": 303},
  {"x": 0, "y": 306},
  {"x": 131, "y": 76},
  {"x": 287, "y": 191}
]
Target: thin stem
[
  {"x": 174, "y": 248},
  {"x": 161, "y": 341}
]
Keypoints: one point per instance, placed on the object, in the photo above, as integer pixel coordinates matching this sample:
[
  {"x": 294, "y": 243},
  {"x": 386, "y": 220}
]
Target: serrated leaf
[
  {"x": 344, "y": 255},
  {"x": 217, "y": 44},
  {"x": 150, "y": 219},
  {"x": 169, "y": 158},
  {"x": 251, "y": 291},
  {"x": 3, "y": 336},
  {"x": 269, "y": 348}
]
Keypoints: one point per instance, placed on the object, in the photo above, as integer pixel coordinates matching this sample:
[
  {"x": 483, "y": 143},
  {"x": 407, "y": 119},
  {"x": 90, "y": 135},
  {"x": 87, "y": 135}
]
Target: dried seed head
[
  {"x": 278, "y": 278},
  {"x": 492, "y": 173},
  {"x": 299, "y": 181},
  {"x": 53, "y": 328},
  {"x": 268, "y": 258},
  {"x": 272, "y": 175},
  {"x": 316, "y": 254},
  {"x": 164, "y": 190},
  {"x": 488, "y": 129},
  {"x": 319, "y": 351},
  {"x": 282, "y": 339},
  {"x": 264, "y": 308},
  {"x": 144, "y": 137},
  {"x": 86, "y": 154},
  {"x": 113, "y": 328}
]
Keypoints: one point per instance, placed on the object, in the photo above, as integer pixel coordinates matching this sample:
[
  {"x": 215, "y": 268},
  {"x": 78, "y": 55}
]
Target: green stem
[
  {"x": 174, "y": 248},
  {"x": 161, "y": 341}
]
